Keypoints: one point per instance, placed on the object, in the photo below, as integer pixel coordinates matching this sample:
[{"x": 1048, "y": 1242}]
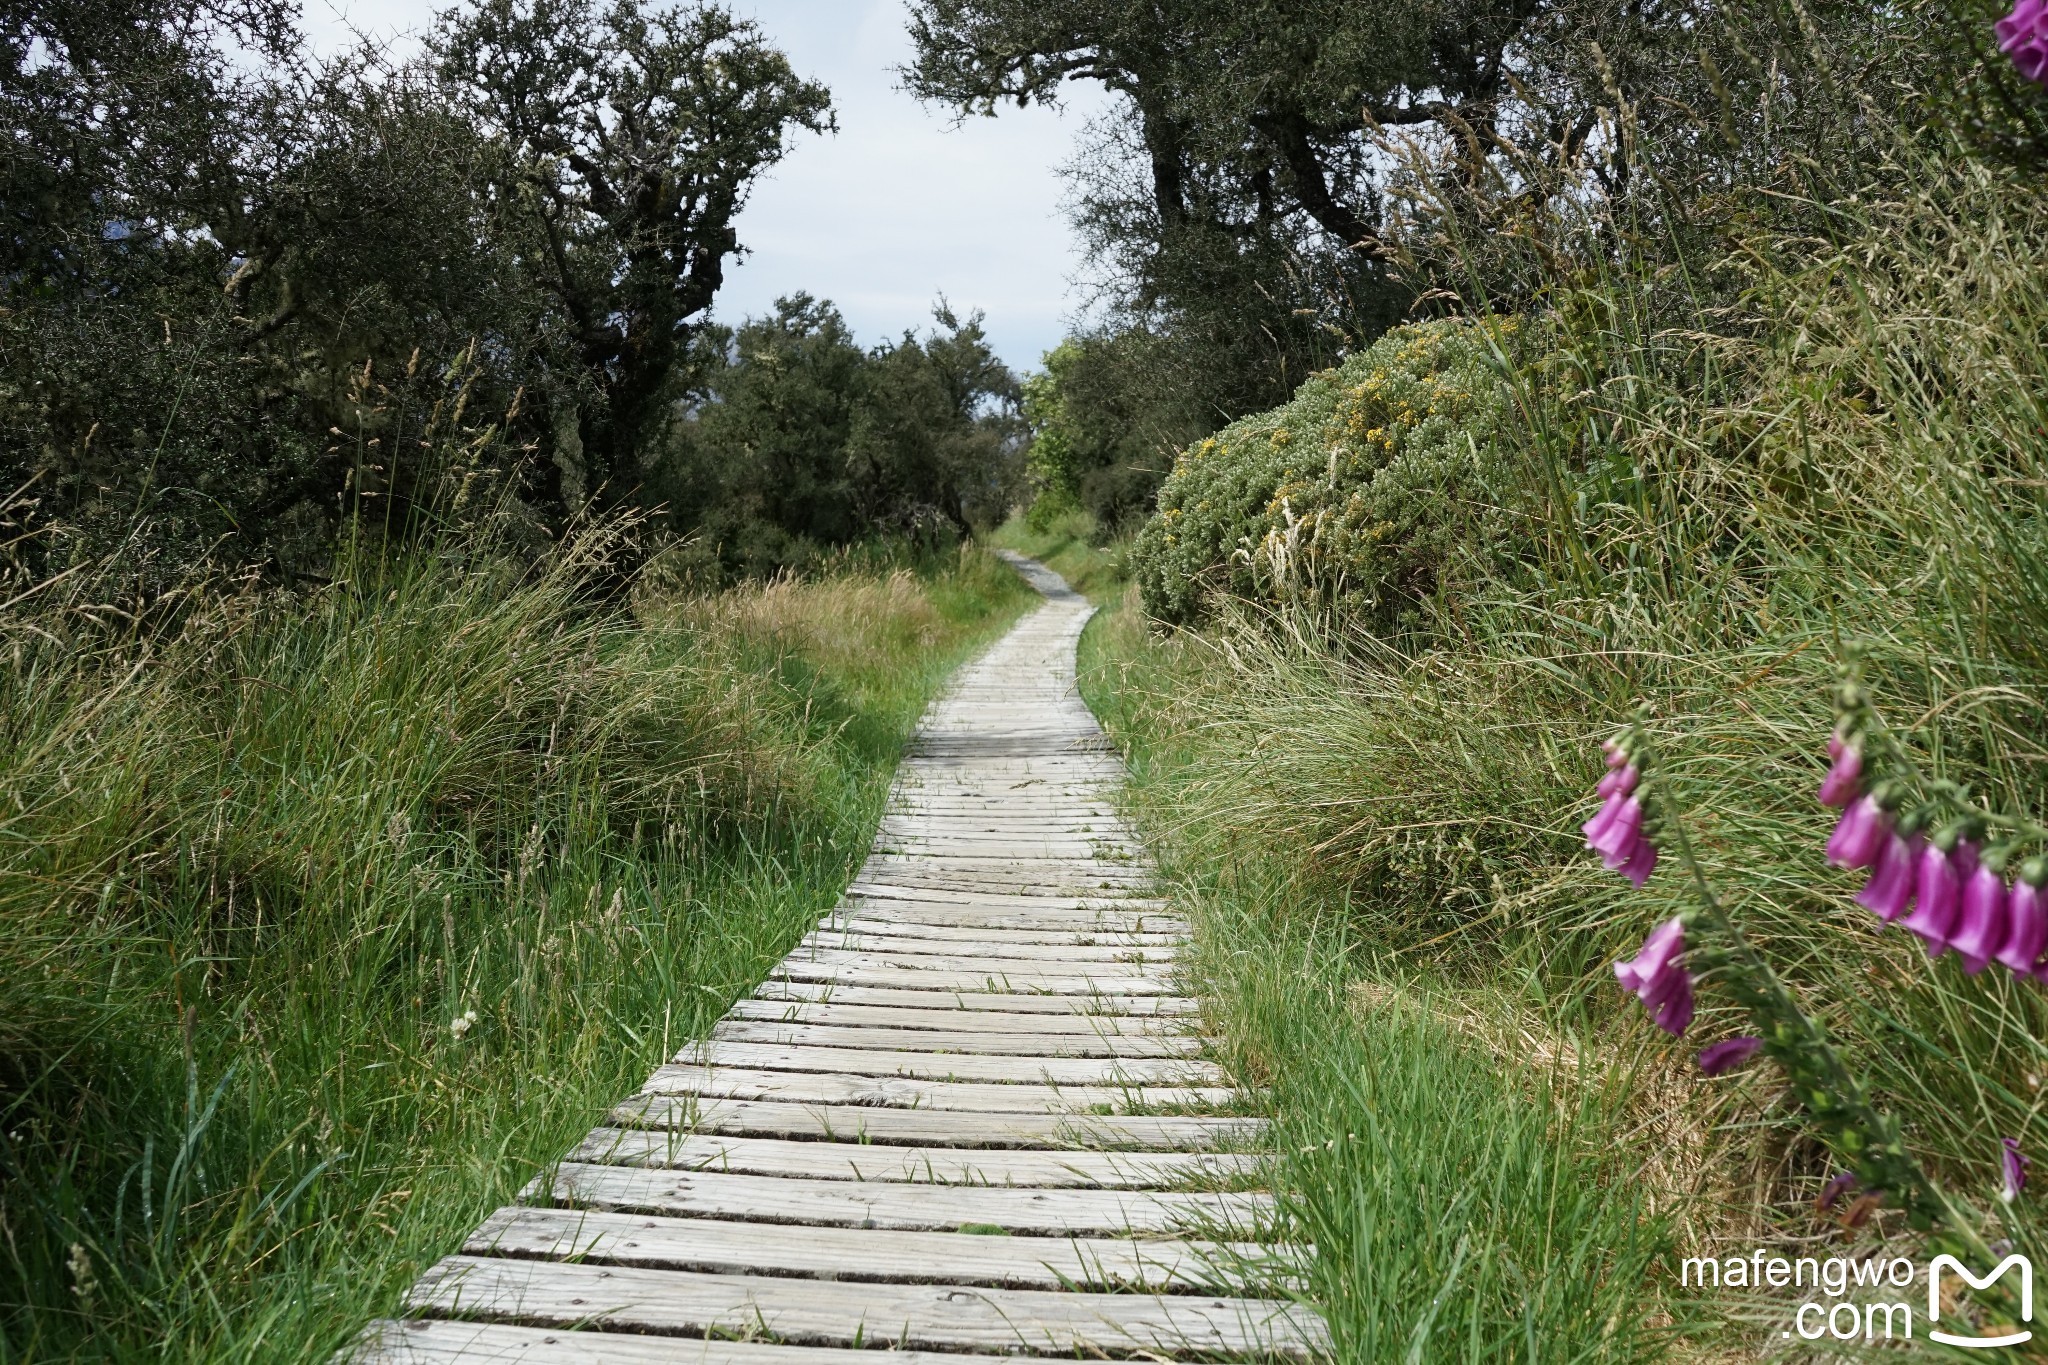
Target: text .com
[{"x": 1846, "y": 1299}]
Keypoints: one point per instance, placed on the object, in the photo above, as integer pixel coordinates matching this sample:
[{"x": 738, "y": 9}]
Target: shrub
[{"x": 1366, "y": 494}]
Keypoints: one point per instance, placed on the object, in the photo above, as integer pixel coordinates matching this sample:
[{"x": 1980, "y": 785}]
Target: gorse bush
[{"x": 1379, "y": 484}]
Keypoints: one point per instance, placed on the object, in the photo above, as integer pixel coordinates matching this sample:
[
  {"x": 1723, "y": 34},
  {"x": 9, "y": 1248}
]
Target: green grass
[
  {"x": 1465, "y": 1205},
  {"x": 250, "y": 875}
]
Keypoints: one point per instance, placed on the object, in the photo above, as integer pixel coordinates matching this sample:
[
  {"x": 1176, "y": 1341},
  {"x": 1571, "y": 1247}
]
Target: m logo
[{"x": 1934, "y": 1299}]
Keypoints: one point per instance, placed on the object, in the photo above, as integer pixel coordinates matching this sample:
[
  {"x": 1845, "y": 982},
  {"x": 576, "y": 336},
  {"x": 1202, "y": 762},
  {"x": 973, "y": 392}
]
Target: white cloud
[{"x": 897, "y": 208}]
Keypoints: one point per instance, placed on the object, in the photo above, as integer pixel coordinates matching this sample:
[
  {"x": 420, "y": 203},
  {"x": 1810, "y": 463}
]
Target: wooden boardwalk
[{"x": 968, "y": 1116}]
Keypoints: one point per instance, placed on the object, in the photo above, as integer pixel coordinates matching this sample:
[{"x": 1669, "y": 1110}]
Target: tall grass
[
  {"x": 1459, "y": 1165},
  {"x": 329, "y": 918}
]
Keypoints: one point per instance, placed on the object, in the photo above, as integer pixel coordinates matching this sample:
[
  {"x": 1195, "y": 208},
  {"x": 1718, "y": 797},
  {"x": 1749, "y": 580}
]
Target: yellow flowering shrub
[{"x": 1359, "y": 493}]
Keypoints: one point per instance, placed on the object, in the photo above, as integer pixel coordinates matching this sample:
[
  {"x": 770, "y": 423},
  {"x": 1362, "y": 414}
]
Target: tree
[
  {"x": 211, "y": 246},
  {"x": 1233, "y": 203},
  {"x": 628, "y": 139},
  {"x": 235, "y": 282},
  {"x": 938, "y": 442},
  {"x": 1106, "y": 419},
  {"x": 795, "y": 439}
]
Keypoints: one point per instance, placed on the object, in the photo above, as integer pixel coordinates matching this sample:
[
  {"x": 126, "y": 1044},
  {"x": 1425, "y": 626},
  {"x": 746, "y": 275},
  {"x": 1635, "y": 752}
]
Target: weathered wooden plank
[
  {"x": 1046, "y": 878},
  {"x": 934, "y": 915},
  {"x": 1060, "y": 822},
  {"x": 907, "y": 973},
  {"x": 899, "y": 845},
  {"x": 435, "y": 1341},
  {"x": 827, "y": 938},
  {"x": 1005, "y": 1002},
  {"x": 871, "y": 1037},
  {"x": 1001, "y": 874},
  {"x": 849, "y": 963},
  {"x": 901, "y": 1205},
  {"x": 1097, "y": 901},
  {"x": 1114, "y": 877},
  {"x": 1063, "y": 852},
  {"x": 1086, "y": 896},
  {"x": 1091, "y": 919},
  {"x": 1048, "y": 765},
  {"x": 1170, "y": 1029},
  {"x": 1070, "y": 1169},
  {"x": 717, "y": 1246},
  {"x": 998, "y": 1068},
  {"x": 932, "y": 1127},
  {"x": 1064, "y": 817},
  {"x": 975, "y": 933},
  {"x": 966, "y": 801},
  {"x": 807, "y": 1087},
  {"x": 865, "y": 889},
  {"x": 828, "y": 1313}
]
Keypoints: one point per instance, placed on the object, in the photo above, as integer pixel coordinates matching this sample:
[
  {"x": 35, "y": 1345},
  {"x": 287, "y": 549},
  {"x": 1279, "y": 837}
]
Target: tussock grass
[{"x": 328, "y": 920}]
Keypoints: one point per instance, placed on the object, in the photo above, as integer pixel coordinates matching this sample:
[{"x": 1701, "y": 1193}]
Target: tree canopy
[{"x": 247, "y": 295}]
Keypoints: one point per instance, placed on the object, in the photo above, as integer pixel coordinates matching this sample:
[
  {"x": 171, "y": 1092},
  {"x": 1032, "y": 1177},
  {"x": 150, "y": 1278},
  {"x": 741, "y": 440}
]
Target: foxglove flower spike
[
  {"x": 1859, "y": 834},
  {"x": 2026, "y": 910},
  {"x": 1844, "y": 781},
  {"x": 2023, "y": 36}
]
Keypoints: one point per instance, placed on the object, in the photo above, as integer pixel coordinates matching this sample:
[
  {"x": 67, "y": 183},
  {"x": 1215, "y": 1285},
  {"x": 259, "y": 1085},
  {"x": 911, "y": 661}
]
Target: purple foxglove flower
[
  {"x": 1844, "y": 781},
  {"x": 1615, "y": 757},
  {"x": 1641, "y": 863},
  {"x": 1890, "y": 888},
  {"x": 1939, "y": 889},
  {"x": 1656, "y": 957},
  {"x": 1728, "y": 1054},
  {"x": 1602, "y": 820},
  {"x": 1834, "y": 1190},
  {"x": 1615, "y": 842},
  {"x": 2026, "y": 934},
  {"x": 2013, "y": 1167},
  {"x": 1859, "y": 834},
  {"x": 1656, "y": 975},
  {"x": 1619, "y": 782},
  {"x": 1619, "y": 858},
  {"x": 1675, "y": 1014},
  {"x": 1981, "y": 928},
  {"x": 2023, "y": 36}
]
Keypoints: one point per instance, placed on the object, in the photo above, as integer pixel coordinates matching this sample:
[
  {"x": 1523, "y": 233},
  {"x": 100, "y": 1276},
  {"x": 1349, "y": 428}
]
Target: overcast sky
[{"x": 899, "y": 206}]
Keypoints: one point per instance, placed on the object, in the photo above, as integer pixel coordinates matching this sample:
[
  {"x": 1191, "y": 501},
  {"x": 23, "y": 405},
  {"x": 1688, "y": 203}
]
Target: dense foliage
[
  {"x": 799, "y": 439},
  {"x": 1103, "y": 431},
  {"x": 243, "y": 289},
  {"x": 1371, "y": 491}
]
